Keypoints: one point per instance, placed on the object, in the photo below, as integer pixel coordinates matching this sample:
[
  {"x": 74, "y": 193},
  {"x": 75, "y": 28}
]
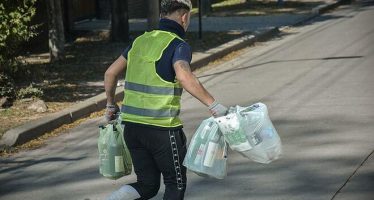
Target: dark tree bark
[
  {"x": 120, "y": 21},
  {"x": 153, "y": 14},
  {"x": 206, "y": 6},
  {"x": 69, "y": 16},
  {"x": 55, "y": 30}
]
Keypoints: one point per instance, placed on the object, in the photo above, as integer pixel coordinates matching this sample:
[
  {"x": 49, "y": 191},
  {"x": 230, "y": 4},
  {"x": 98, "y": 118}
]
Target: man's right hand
[
  {"x": 218, "y": 109},
  {"x": 111, "y": 112}
]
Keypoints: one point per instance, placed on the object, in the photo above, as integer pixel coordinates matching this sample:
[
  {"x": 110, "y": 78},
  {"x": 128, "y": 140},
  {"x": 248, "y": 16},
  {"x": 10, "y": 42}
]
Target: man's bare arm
[
  {"x": 111, "y": 77},
  {"x": 190, "y": 83}
]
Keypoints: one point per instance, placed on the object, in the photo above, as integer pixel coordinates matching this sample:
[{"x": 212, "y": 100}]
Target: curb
[
  {"x": 326, "y": 7},
  {"x": 321, "y": 9},
  {"x": 38, "y": 127}
]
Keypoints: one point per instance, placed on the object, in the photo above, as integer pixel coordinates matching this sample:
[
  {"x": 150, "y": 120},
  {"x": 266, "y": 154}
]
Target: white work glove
[
  {"x": 217, "y": 109},
  {"x": 111, "y": 112}
]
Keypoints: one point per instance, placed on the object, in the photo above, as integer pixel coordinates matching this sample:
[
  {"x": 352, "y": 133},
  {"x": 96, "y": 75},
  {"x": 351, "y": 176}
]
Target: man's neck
[{"x": 170, "y": 25}]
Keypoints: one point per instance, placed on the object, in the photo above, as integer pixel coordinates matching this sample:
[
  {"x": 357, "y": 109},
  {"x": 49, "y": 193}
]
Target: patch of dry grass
[
  {"x": 19, "y": 114},
  {"x": 40, "y": 141}
]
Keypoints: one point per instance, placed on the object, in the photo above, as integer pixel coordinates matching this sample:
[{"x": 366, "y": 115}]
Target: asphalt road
[{"x": 317, "y": 81}]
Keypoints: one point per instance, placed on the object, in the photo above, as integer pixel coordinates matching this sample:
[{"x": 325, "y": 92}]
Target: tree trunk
[
  {"x": 120, "y": 21},
  {"x": 69, "y": 16},
  {"x": 206, "y": 6},
  {"x": 153, "y": 14},
  {"x": 56, "y": 30}
]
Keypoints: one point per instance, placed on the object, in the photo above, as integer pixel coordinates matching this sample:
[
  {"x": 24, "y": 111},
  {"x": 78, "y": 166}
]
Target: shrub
[
  {"x": 30, "y": 92},
  {"x": 7, "y": 86},
  {"x": 15, "y": 28}
]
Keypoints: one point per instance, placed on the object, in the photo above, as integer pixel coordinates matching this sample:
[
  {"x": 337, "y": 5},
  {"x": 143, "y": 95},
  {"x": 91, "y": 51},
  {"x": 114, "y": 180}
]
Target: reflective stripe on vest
[
  {"x": 149, "y": 112},
  {"x": 153, "y": 89}
]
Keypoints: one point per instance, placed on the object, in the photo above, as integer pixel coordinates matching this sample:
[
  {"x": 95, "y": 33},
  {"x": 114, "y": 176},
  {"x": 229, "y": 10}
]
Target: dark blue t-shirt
[{"x": 177, "y": 50}]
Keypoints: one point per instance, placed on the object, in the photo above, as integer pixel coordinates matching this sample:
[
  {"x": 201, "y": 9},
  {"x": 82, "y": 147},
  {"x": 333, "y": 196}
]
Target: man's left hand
[{"x": 111, "y": 112}]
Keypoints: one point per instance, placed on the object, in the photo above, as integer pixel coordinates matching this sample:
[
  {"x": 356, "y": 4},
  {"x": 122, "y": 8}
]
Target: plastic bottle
[
  {"x": 251, "y": 123},
  {"x": 199, "y": 155},
  {"x": 211, "y": 151},
  {"x": 115, "y": 155},
  {"x": 255, "y": 139},
  {"x": 201, "y": 141},
  {"x": 100, "y": 146},
  {"x": 103, "y": 152},
  {"x": 205, "y": 130}
]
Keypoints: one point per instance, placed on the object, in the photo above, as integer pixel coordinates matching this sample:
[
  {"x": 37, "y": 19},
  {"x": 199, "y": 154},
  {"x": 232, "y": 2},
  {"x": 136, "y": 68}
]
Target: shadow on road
[
  {"x": 282, "y": 61},
  {"x": 27, "y": 163}
]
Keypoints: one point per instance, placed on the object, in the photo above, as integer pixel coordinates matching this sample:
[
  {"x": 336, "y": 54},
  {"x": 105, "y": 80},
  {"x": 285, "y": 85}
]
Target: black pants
[{"x": 153, "y": 152}]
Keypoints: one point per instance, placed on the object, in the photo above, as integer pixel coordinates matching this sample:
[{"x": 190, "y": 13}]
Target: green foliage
[
  {"x": 15, "y": 28},
  {"x": 6, "y": 86},
  {"x": 29, "y": 92}
]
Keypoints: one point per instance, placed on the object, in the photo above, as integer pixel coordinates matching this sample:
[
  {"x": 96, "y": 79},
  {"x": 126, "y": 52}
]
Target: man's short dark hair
[{"x": 170, "y": 6}]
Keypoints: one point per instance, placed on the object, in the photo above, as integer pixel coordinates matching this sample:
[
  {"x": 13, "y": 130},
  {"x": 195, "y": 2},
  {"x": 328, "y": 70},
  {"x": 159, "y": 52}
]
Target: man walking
[{"x": 157, "y": 68}]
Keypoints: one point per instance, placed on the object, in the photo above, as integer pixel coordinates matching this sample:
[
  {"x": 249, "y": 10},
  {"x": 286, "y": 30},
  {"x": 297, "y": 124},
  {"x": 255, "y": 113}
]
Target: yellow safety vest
[{"x": 148, "y": 98}]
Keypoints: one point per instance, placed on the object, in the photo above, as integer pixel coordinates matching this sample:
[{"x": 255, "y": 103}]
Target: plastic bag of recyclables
[
  {"x": 115, "y": 158},
  {"x": 206, "y": 154},
  {"x": 249, "y": 131}
]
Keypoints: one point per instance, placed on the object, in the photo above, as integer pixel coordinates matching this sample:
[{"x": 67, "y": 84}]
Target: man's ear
[{"x": 184, "y": 20}]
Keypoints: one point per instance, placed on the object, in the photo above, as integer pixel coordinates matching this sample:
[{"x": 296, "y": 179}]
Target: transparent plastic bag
[
  {"x": 207, "y": 152},
  {"x": 260, "y": 132},
  {"x": 115, "y": 159},
  {"x": 233, "y": 132}
]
